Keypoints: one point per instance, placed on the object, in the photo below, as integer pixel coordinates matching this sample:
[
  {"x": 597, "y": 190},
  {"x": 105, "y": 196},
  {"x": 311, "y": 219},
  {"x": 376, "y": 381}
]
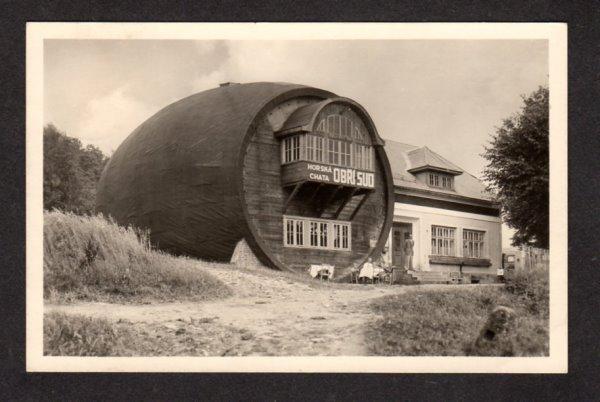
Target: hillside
[{"x": 93, "y": 259}]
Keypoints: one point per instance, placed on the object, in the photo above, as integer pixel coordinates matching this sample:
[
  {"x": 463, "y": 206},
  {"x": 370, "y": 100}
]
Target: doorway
[{"x": 399, "y": 235}]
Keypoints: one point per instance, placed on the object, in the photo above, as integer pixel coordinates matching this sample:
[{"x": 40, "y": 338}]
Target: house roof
[
  {"x": 425, "y": 159},
  {"x": 404, "y": 158}
]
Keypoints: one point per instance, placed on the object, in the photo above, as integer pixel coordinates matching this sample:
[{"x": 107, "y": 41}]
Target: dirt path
[{"x": 269, "y": 315}]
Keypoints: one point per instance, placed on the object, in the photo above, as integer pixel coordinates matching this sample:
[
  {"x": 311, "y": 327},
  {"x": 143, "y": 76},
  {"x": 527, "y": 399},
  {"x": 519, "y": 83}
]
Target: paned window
[
  {"x": 473, "y": 243},
  {"x": 345, "y": 154},
  {"x": 443, "y": 240},
  {"x": 322, "y": 234},
  {"x": 292, "y": 149},
  {"x": 441, "y": 180},
  {"x": 294, "y": 232},
  {"x": 334, "y": 152}
]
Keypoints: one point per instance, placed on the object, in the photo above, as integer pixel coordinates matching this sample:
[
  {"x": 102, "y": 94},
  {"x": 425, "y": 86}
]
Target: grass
[
  {"x": 78, "y": 335},
  {"x": 446, "y": 323},
  {"x": 92, "y": 258}
]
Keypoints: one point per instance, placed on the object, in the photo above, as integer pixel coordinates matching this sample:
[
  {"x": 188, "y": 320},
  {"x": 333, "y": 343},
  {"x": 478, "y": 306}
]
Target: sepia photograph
[{"x": 298, "y": 197}]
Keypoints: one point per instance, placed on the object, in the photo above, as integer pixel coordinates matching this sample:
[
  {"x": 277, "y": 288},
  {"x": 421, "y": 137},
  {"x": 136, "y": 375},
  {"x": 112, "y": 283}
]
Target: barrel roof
[{"x": 178, "y": 172}]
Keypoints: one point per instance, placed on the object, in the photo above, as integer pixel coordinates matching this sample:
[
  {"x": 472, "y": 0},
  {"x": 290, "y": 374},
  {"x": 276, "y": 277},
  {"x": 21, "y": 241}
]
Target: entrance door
[{"x": 399, "y": 232}]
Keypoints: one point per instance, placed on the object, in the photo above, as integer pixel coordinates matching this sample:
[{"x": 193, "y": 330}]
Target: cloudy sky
[{"x": 448, "y": 95}]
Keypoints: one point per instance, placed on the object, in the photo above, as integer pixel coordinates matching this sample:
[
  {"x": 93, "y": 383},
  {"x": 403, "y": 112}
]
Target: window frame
[
  {"x": 480, "y": 243},
  {"x": 292, "y": 149},
  {"x": 437, "y": 238},
  {"x": 319, "y": 234},
  {"x": 315, "y": 148},
  {"x": 440, "y": 180}
]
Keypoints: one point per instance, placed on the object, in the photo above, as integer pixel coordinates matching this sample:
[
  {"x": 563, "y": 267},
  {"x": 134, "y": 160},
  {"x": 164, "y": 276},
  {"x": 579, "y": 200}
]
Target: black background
[{"x": 581, "y": 383}]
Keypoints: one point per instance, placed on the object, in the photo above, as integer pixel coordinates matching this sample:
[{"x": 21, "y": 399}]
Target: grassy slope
[
  {"x": 446, "y": 323},
  {"x": 91, "y": 258}
]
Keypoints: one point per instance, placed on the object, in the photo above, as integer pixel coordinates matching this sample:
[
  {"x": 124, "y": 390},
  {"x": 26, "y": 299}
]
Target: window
[
  {"x": 345, "y": 239},
  {"x": 441, "y": 180},
  {"x": 314, "y": 148},
  {"x": 314, "y": 234},
  {"x": 340, "y": 127},
  {"x": 358, "y": 159},
  {"x": 337, "y": 236},
  {"x": 322, "y": 234},
  {"x": 368, "y": 158},
  {"x": 294, "y": 232},
  {"x": 473, "y": 243},
  {"x": 291, "y": 149},
  {"x": 434, "y": 180},
  {"x": 358, "y": 135},
  {"x": 310, "y": 147},
  {"x": 299, "y": 229},
  {"x": 319, "y": 154},
  {"x": 345, "y": 155},
  {"x": 362, "y": 157},
  {"x": 334, "y": 152},
  {"x": 442, "y": 240}
]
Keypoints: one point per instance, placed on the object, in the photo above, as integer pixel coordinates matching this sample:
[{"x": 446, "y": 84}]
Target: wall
[{"x": 423, "y": 217}]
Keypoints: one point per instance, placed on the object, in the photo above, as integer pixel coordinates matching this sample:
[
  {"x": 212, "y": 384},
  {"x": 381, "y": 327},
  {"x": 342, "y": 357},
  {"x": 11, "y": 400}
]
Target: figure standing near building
[{"x": 409, "y": 245}]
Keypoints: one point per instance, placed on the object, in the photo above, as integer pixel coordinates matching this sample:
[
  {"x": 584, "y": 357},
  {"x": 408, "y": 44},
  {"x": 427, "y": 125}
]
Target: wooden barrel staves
[{"x": 299, "y": 173}]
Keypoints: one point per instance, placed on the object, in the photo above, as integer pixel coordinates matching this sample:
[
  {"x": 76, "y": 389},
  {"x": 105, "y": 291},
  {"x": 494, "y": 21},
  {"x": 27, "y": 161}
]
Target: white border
[{"x": 555, "y": 33}]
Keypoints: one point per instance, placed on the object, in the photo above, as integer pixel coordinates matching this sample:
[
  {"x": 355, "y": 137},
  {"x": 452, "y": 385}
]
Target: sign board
[{"x": 309, "y": 171}]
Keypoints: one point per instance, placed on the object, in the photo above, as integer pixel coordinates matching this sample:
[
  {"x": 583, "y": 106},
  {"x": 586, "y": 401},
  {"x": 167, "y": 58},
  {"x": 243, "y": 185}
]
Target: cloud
[
  {"x": 209, "y": 81},
  {"x": 448, "y": 95},
  {"x": 107, "y": 120}
]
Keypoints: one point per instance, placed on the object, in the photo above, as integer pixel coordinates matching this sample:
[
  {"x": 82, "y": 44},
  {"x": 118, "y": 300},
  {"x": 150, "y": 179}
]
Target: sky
[{"x": 449, "y": 95}]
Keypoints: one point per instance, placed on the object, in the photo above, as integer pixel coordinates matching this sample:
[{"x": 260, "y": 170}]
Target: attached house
[{"x": 453, "y": 221}]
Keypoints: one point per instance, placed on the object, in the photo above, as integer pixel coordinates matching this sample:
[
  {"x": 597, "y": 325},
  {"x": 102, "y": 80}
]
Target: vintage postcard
[{"x": 272, "y": 197}]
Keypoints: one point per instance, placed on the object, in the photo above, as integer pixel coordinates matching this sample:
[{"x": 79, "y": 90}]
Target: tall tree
[
  {"x": 518, "y": 170},
  {"x": 71, "y": 172}
]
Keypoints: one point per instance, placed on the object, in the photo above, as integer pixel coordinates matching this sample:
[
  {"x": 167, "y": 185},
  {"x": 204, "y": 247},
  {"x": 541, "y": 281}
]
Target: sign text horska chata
[{"x": 338, "y": 175}]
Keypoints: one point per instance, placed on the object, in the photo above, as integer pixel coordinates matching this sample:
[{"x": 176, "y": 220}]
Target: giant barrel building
[{"x": 298, "y": 174}]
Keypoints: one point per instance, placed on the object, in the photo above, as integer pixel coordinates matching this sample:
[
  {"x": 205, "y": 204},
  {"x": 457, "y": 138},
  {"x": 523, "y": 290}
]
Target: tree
[
  {"x": 71, "y": 172},
  {"x": 518, "y": 170}
]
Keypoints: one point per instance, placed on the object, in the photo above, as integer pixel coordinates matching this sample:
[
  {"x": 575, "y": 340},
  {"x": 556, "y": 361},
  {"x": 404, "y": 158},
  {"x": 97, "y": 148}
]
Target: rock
[
  {"x": 246, "y": 337},
  {"x": 494, "y": 339},
  {"x": 319, "y": 317},
  {"x": 180, "y": 331},
  {"x": 171, "y": 326}
]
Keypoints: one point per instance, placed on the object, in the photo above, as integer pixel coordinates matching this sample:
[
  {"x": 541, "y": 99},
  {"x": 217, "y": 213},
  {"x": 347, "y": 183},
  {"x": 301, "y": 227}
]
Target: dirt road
[{"x": 269, "y": 315}]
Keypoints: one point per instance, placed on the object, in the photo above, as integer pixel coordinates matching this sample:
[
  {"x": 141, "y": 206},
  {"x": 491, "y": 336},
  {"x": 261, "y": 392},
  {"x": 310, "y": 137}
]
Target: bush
[
  {"x": 71, "y": 172},
  {"x": 77, "y": 335},
  {"x": 92, "y": 258},
  {"x": 532, "y": 287}
]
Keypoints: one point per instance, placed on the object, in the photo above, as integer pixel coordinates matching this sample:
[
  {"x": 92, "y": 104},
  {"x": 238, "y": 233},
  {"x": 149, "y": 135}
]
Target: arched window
[{"x": 340, "y": 126}]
